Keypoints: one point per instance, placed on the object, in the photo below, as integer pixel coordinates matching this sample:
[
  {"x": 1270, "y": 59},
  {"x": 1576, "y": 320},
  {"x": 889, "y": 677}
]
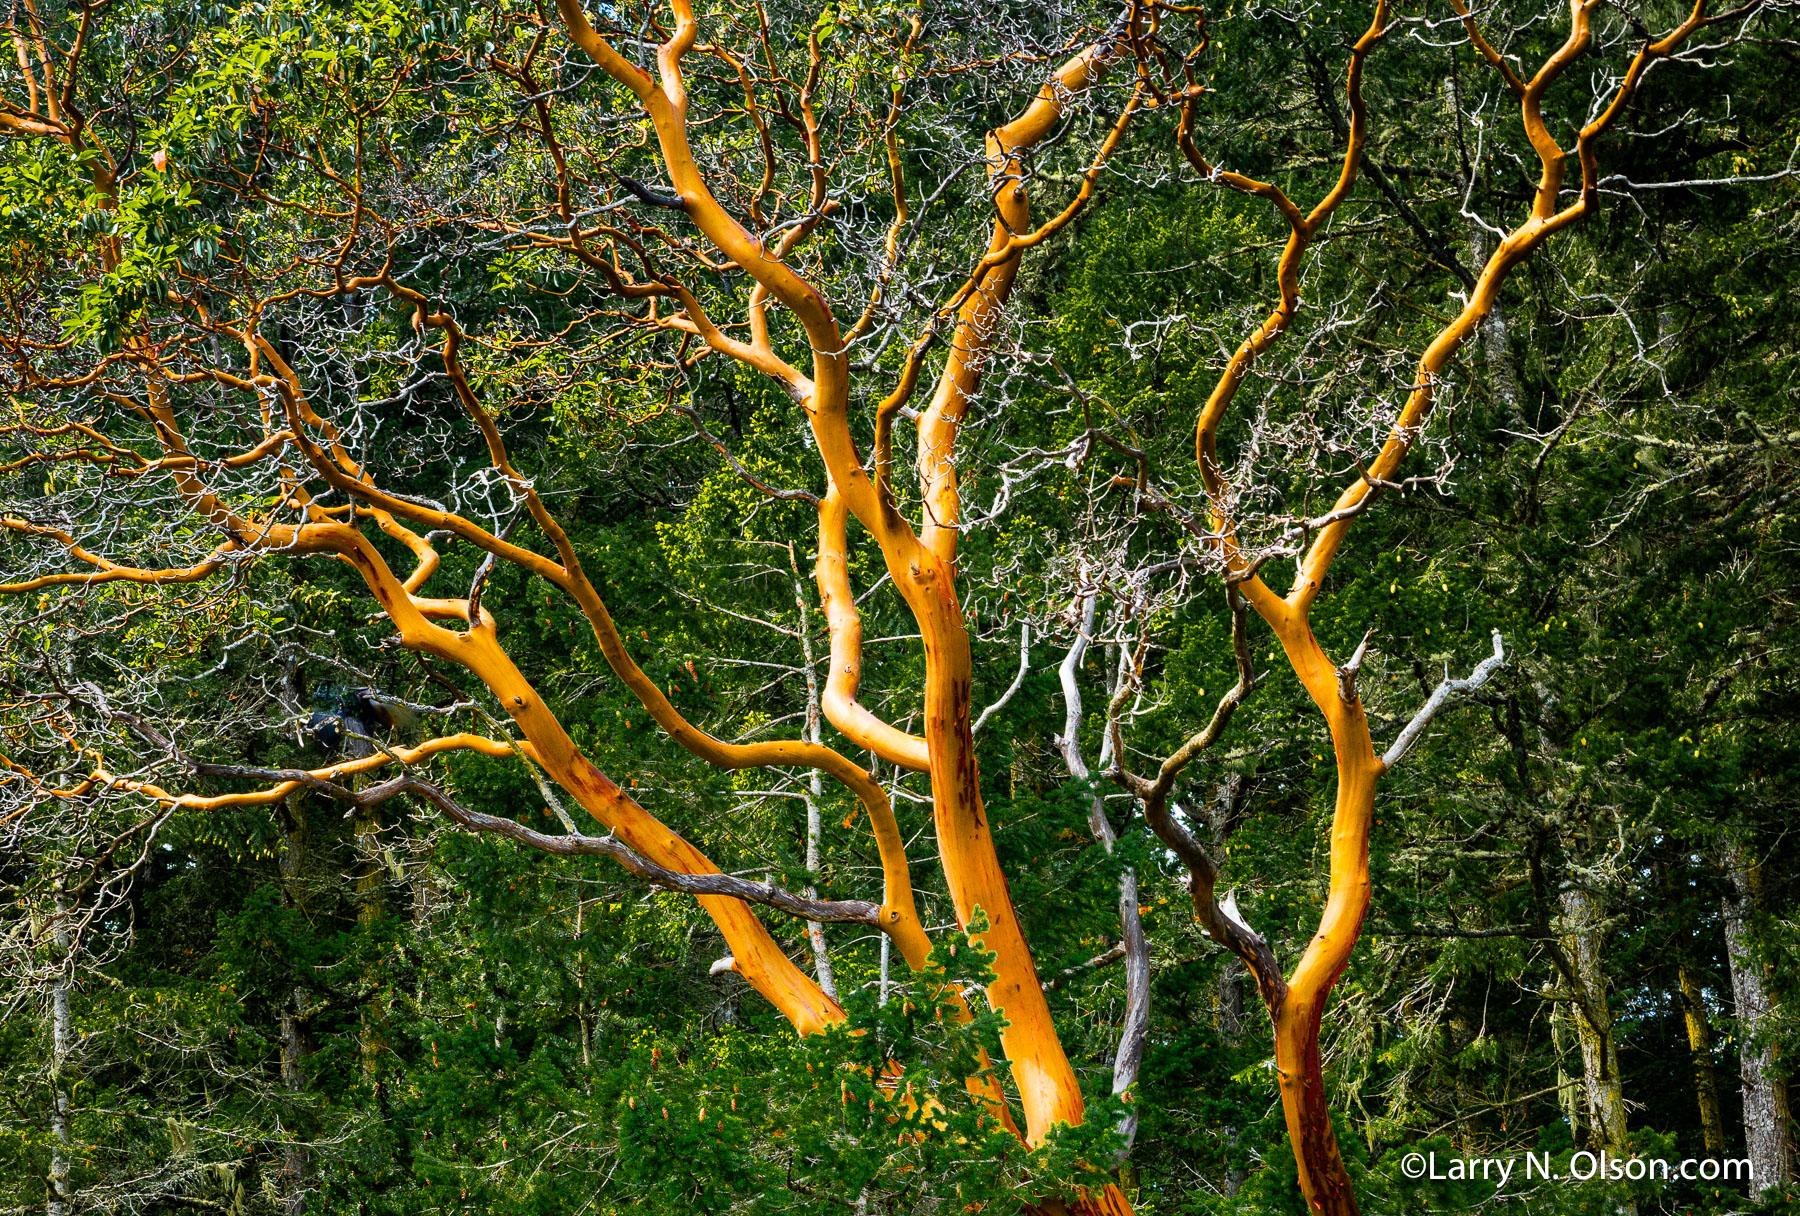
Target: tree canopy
[{"x": 896, "y": 608}]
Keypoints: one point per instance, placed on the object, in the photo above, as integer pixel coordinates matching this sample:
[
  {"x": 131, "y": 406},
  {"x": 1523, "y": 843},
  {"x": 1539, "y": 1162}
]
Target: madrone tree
[{"x": 244, "y": 353}]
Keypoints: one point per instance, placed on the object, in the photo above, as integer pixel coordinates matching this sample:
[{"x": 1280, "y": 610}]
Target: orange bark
[
  {"x": 921, "y": 563},
  {"x": 1298, "y": 1006},
  {"x": 923, "y": 573}
]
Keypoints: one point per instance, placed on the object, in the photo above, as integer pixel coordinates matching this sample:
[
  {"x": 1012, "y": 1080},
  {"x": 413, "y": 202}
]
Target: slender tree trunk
[
  {"x": 1700, "y": 1044},
  {"x": 1496, "y": 342},
  {"x": 291, "y": 864},
  {"x": 369, "y": 900},
  {"x": 1583, "y": 943},
  {"x": 1228, "y": 1017},
  {"x": 294, "y": 1157},
  {"x": 584, "y": 1011},
  {"x": 1137, "y": 1006},
  {"x": 1324, "y": 1180},
  {"x": 1130, "y": 1056},
  {"x": 62, "y": 1041},
  {"x": 1766, "y": 1135},
  {"x": 1229, "y": 1021}
]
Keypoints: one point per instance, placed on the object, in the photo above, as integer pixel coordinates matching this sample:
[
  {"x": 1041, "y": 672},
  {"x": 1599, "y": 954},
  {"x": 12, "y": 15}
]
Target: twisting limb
[
  {"x": 290, "y": 781},
  {"x": 900, "y": 920},
  {"x": 569, "y": 576},
  {"x": 1155, "y": 795},
  {"x": 1298, "y": 1010},
  {"x": 1017, "y": 681},
  {"x": 1303, "y": 228},
  {"x": 985, "y": 298},
  {"x": 105, "y": 571},
  {"x": 764, "y": 965},
  {"x": 1447, "y": 688},
  {"x": 812, "y": 732},
  {"x": 1047, "y": 1084},
  {"x": 328, "y": 782},
  {"x": 839, "y": 912},
  {"x": 843, "y": 675},
  {"x": 1105, "y": 958},
  {"x": 1132, "y": 946},
  {"x": 1546, "y": 219}
]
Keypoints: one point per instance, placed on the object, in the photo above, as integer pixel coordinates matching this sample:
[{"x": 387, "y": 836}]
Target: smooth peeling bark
[
  {"x": 1521, "y": 243},
  {"x": 923, "y": 571},
  {"x": 1048, "y": 1087},
  {"x": 979, "y": 316},
  {"x": 755, "y": 955},
  {"x": 1107, "y": 1201},
  {"x": 1323, "y": 1179},
  {"x": 775, "y": 980},
  {"x": 843, "y": 676},
  {"x": 1049, "y": 1090},
  {"x": 1297, "y": 1009},
  {"x": 758, "y": 958}
]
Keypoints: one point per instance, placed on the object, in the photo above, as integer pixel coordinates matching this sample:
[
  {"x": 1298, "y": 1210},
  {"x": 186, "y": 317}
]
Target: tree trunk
[
  {"x": 1137, "y": 1008},
  {"x": 1496, "y": 342},
  {"x": 1766, "y": 1135},
  {"x": 1048, "y": 1088},
  {"x": 1130, "y": 1055},
  {"x": 1229, "y": 1022},
  {"x": 62, "y": 1041},
  {"x": 1700, "y": 1044},
  {"x": 1110, "y": 1201},
  {"x": 1323, "y": 1178},
  {"x": 291, "y": 864},
  {"x": 369, "y": 909},
  {"x": 1496, "y": 347},
  {"x": 294, "y": 1161},
  {"x": 1583, "y": 943}
]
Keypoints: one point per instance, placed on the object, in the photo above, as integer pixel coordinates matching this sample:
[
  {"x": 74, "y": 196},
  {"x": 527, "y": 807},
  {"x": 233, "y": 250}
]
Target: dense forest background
[{"x": 1584, "y": 880}]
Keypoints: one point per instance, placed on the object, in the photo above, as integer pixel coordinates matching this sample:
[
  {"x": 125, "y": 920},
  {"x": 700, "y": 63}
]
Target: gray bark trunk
[
  {"x": 1229, "y": 1021},
  {"x": 62, "y": 1041},
  {"x": 1766, "y": 1135},
  {"x": 1496, "y": 343},
  {"x": 1567, "y": 1087},
  {"x": 291, "y": 864},
  {"x": 1130, "y": 1055}
]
